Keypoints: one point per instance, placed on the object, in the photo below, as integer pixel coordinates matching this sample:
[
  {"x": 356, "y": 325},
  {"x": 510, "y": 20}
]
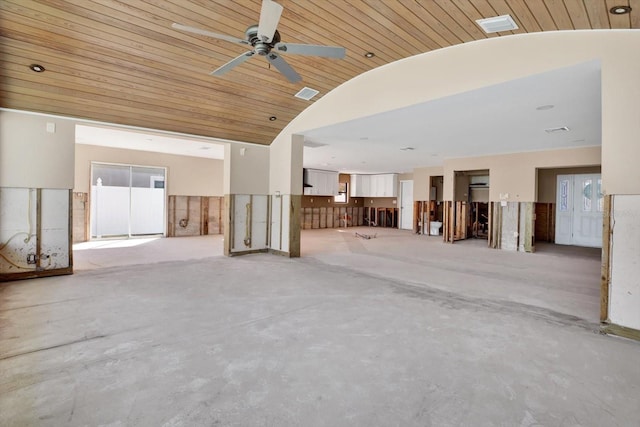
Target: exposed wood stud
[{"x": 605, "y": 270}]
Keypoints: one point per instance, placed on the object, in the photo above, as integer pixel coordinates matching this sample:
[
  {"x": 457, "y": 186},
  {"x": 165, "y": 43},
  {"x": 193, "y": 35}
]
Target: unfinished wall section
[
  {"x": 35, "y": 213},
  {"x": 247, "y": 203},
  {"x": 285, "y": 189},
  {"x": 35, "y": 237},
  {"x": 194, "y": 216},
  {"x": 512, "y": 226}
]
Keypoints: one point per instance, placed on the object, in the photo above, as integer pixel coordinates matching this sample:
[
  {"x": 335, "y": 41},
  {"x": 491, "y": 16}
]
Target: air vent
[
  {"x": 306, "y": 93},
  {"x": 311, "y": 144},
  {"x": 497, "y": 24},
  {"x": 556, "y": 130}
]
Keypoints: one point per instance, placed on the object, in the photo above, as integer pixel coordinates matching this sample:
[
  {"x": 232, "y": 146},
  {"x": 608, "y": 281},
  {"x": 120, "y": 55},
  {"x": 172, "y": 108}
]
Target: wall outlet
[
  {"x": 31, "y": 258},
  {"x": 51, "y": 127}
]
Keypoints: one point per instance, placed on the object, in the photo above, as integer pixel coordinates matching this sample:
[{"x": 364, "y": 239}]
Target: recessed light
[
  {"x": 364, "y": 138},
  {"x": 620, "y": 10},
  {"x": 407, "y": 149},
  {"x": 545, "y": 107},
  {"x": 369, "y": 55},
  {"x": 273, "y": 118},
  {"x": 37, "y": 68},
  {"x": 205, "y": 148}
]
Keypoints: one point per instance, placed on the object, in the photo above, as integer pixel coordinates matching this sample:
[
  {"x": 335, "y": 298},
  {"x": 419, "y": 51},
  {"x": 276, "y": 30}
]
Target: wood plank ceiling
[{"x": 121, "y": 62}]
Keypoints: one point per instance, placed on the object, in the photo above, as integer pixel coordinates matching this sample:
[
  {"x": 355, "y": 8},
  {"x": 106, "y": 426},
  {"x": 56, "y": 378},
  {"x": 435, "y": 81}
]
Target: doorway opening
[
  {"x": 468, "y": 215},
  {"x": 127, "y": 201},
  {"x": 569, "y": 212}
]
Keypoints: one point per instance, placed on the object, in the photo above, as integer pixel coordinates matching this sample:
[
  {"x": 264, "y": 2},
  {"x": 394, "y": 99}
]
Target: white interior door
[
  {"x": 564, "y": 210},
  {"x": 587, "y": 210},
  {"x": 579, "y": 205},
  {"x": 406, "y": 205}
]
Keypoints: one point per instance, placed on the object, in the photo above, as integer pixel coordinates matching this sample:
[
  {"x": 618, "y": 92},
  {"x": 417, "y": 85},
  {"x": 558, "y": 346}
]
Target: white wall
[
  {"x": 422, "y": 181},
  {"x": 186, "y": 176},
  {"x": 246, "y": 169},
  {"x": 624, "y": 296},
  {"x": 474, "y": 65},
  {"x": 285, "y": 179},
  {"x": 515, "y": 174},
  {"x": 31, "y": 157}
]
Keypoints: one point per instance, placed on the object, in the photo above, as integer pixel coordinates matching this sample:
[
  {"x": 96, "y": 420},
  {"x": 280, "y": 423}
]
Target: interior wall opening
[
  {"x": 467, "y": 217},
  {"x": 548, "y": 211},
  {"x": 127, "y": 201}
]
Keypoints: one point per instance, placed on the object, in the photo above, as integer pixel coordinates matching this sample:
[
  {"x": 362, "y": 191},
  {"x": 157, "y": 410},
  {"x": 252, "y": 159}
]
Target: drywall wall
[
  {"x": 547, "y": 181},
  {"x": 192, "y": 176},
  {"x": 285, "y": 186},
  {"x": 422, "y": 181},
  {"x": 286, "y": 170},
  {"x": 36, "y": 151},
  {"x": 515, "y": 174},
  {"x": 624, "y": 298},
  {"x": 246, "y": 169},
  {"x": 496, "y": 60}
]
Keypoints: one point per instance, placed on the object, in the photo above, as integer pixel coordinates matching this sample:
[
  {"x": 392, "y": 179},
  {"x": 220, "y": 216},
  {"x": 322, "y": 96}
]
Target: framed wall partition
[{"x": 127, "y": 200}]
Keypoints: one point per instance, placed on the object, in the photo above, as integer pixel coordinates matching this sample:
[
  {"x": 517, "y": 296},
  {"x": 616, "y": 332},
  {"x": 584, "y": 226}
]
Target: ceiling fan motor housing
[{"x": 261, "y": 47}]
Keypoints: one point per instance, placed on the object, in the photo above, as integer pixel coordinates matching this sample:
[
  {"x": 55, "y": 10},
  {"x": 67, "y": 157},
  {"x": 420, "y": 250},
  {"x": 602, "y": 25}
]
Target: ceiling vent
[
  {"x": 306, "y": 93},
  {"x": 312, "y": 144},
  {"x": 556, "y": 130},
  {"x": 497, "y": 24}
]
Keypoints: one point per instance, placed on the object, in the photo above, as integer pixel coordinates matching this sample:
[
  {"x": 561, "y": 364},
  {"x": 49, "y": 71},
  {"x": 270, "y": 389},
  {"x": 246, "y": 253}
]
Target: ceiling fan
[{"x": 264, "y": 40}]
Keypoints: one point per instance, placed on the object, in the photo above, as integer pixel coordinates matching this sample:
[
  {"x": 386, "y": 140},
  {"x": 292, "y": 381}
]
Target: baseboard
[
  {"x": 280, "y": 253},
  {"x": 8, "y": 277},
  {"x": 621, "y": 331},
  {"x": 254, "y": 251}
]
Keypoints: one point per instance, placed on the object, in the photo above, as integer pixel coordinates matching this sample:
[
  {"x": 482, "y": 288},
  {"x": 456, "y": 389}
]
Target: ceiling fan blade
[
  {"x": 283, "y": 67},
  {"x": 234, "y": 62},
  {"x": 208, "y": 33},
  {"x": 269, "y": 18},
  {"x": 310, "y": 49}
]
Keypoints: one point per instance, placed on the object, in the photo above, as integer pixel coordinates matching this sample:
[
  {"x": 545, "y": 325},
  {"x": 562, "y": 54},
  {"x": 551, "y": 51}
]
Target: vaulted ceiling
[{"x": 121, "y": 62}]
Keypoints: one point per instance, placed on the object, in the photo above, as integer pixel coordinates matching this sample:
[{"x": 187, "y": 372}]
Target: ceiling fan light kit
[{"x": 264, "y": 40}]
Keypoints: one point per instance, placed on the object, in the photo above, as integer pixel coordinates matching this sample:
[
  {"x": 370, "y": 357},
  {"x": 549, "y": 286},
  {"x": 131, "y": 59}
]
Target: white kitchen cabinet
[
  {"x": 322, "y": 183},
  {"x": 381, "y": 185}
]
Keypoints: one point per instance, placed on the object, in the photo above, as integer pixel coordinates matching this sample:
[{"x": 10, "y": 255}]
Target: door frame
[
  {"x": 401, "y": 224},
  {"x": 571, "y": 198},
  {"x": 130, "y": 165}
]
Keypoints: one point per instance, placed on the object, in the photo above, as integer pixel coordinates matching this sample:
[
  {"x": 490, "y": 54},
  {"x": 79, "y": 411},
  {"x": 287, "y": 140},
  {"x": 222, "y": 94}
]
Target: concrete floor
[{"x": 395, "y": 330}]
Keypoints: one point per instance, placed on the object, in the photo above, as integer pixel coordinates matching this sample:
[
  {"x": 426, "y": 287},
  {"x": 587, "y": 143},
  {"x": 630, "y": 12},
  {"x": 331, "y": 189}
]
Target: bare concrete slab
[{"x": 265, "y": 340}]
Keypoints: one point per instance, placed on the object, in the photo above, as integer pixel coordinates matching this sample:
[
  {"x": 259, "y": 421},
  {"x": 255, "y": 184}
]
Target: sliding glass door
[{"x": 127, "y": 200}]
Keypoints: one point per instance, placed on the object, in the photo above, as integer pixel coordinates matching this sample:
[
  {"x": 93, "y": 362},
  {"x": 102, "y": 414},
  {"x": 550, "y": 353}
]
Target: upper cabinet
[
  {"x": 320, "y": 183},
  {"x": 381, "y": 185}
]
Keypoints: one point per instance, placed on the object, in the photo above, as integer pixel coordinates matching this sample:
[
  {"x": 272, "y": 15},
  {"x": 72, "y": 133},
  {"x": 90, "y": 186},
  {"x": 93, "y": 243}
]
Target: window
[{"x": 342, "y": 193}]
